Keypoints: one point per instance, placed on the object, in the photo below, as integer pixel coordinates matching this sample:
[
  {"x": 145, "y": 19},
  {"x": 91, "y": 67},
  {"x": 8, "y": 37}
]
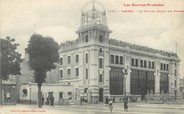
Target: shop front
[{"x": 8, "y": 94}]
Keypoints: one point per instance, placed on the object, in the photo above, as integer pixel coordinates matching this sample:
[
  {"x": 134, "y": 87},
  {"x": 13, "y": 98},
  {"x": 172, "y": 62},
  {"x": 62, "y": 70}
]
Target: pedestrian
[
  {"x": 106, "y": 101},
  {"x": 126, "y": 104},
  {"x": 47, "y": 101},
  {"x": 43, "y": 99},
  {"x": 110, "y": 105},
  {"x": 81, "y": 100},
  {"x": 52, "y": 101}
]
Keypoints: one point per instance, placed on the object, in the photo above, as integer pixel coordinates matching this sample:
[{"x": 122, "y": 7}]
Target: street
[{"x": 134, "y": 108}]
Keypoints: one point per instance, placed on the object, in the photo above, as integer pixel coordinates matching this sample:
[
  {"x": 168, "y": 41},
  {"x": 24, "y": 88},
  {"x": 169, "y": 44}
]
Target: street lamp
[{"x": 125, "y": 75}]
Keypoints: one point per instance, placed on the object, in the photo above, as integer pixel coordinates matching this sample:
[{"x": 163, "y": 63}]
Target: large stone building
[
  {"x": 94, "y": 67},
  {"x": 99, "y": 67}
]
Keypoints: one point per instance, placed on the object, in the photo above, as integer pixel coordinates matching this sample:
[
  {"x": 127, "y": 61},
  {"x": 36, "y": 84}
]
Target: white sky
[{"x": 61, "y": 18}]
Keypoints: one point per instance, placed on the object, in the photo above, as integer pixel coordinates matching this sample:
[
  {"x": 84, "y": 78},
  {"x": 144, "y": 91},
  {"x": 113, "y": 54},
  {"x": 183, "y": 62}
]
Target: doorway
[{"x": 101, "y": 95}]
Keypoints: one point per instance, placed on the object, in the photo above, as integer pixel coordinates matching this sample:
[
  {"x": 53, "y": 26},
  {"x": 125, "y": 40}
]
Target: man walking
[{"x": 126, "y": 104}]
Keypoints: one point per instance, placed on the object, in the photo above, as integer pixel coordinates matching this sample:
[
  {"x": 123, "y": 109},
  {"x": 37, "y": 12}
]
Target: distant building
[
  {"x": 94, "y": 67},
  {"x": 181, "y": 85},
  {"x": 9, "y": 92}
]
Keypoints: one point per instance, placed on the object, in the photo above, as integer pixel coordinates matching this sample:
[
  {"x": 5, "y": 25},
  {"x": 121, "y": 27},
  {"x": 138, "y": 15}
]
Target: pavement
[
  {"x": 135, "y": 107},
  {"x": 119, "y": 106}
]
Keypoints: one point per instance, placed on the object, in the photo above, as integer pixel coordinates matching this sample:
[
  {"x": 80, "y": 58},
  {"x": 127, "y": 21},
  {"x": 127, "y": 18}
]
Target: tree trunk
[
  {"x": 39, "y": 97},
  {"x": 1, "y": 91}
]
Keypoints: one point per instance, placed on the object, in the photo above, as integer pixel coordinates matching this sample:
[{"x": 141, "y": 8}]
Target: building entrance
[{"x": 101, "y": 95}]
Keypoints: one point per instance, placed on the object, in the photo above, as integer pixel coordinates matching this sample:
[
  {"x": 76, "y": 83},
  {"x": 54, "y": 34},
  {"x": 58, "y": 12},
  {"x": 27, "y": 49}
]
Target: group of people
[
  {"x": 49, "y": 100},
  {"x": 109, "y": 103}
]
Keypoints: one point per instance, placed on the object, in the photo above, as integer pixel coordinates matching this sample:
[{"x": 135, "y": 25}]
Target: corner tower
[{"x": 93, "y": 26}]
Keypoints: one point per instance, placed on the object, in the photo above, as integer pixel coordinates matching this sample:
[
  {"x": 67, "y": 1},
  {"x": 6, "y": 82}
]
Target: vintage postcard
[{"x": 91, "y": 56}]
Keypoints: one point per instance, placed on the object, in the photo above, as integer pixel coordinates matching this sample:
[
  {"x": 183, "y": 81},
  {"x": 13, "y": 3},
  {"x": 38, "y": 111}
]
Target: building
[
  {"x": 94, "y": 67},
  {"x": 98, "y": 66},
  {"x": 182, "y": 88},
  {"x": 8, "y": 92}
]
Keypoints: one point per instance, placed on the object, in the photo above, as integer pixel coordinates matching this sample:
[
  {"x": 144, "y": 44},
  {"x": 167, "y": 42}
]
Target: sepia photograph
[{"x": 91, "y": 57}]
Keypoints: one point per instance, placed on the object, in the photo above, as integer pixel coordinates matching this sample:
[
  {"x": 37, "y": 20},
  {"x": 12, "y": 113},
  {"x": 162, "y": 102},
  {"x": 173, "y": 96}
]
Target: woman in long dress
[{"x": 110, "y": 106}]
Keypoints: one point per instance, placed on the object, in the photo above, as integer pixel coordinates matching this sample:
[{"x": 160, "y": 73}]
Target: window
[
  {"x": 69, "y": 93},
  {"x": 86, "y": 38},
  {"x": 141, "y": 82},
  {"x": 100, "y": 50},
  {"x": 153, "y": 65},
  {"x": 68, "y": 59},
  {"x": 117, "y": 59},
  {"x": 100, "y": 38},
  {"x": 77, "y": 71},
  {"x": 141, "y": 63},
  {"x": 61, "y": 61},
  {"x": 24, "y": 92},
  {"x": 69, "y": 72},
  {"x": 116, "y": 81},
  {"x": 132, "y": 61},
  {"x": 61, "y": 73},
  {"x": 121, "y": 60},
  {"x": 86, "y": 73},
  {"x": 164, "y": 82},
  {"x": 100, "y": 63},
  {"x": 145, "y": 64},
  {"x": 85, "y": 90},
  {"x": 86, "y": 57},
  {"x": 136, "y": 62},
  {"x": 167, "y": 67},
  {"x": 161, "y": 66},
  {"x": 100, "y": 78},
  {"x": 149, "y": 64},
  {"x": 164, "y": 67},
  {"x": 60, "y": 95},
  {"x": 175, "y": 72},
  {"x": 175, "y": 83},
  {"x": 112, "y": 59},
  {"x": 77, "y": 58},
  {"x": 50, "y": 94}
]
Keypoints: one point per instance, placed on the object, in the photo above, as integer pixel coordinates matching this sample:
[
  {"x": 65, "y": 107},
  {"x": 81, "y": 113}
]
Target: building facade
[
  {"x": 94, "y": 67},
  {"x": 9, "y": 92},
  {"x": 99, "y": 67}
]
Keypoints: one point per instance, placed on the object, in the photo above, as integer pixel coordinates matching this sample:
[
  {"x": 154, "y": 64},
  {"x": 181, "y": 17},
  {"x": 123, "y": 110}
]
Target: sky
[{"x": 60, "y": 19}]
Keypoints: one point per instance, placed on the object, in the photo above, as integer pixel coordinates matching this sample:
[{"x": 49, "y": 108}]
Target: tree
[
  {"x": 9, "y": 59},
  {"x": 43, "y": 54}
]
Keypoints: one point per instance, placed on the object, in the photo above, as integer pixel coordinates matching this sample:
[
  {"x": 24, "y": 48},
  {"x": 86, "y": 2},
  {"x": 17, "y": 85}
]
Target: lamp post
[{"x": 125, "y": 75}]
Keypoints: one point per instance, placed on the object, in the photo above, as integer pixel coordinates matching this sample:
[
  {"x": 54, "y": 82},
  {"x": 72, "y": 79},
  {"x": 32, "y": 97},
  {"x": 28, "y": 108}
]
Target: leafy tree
[
  {"x": 43, "y": 54},
  {"x": 9, "y": 59}
]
